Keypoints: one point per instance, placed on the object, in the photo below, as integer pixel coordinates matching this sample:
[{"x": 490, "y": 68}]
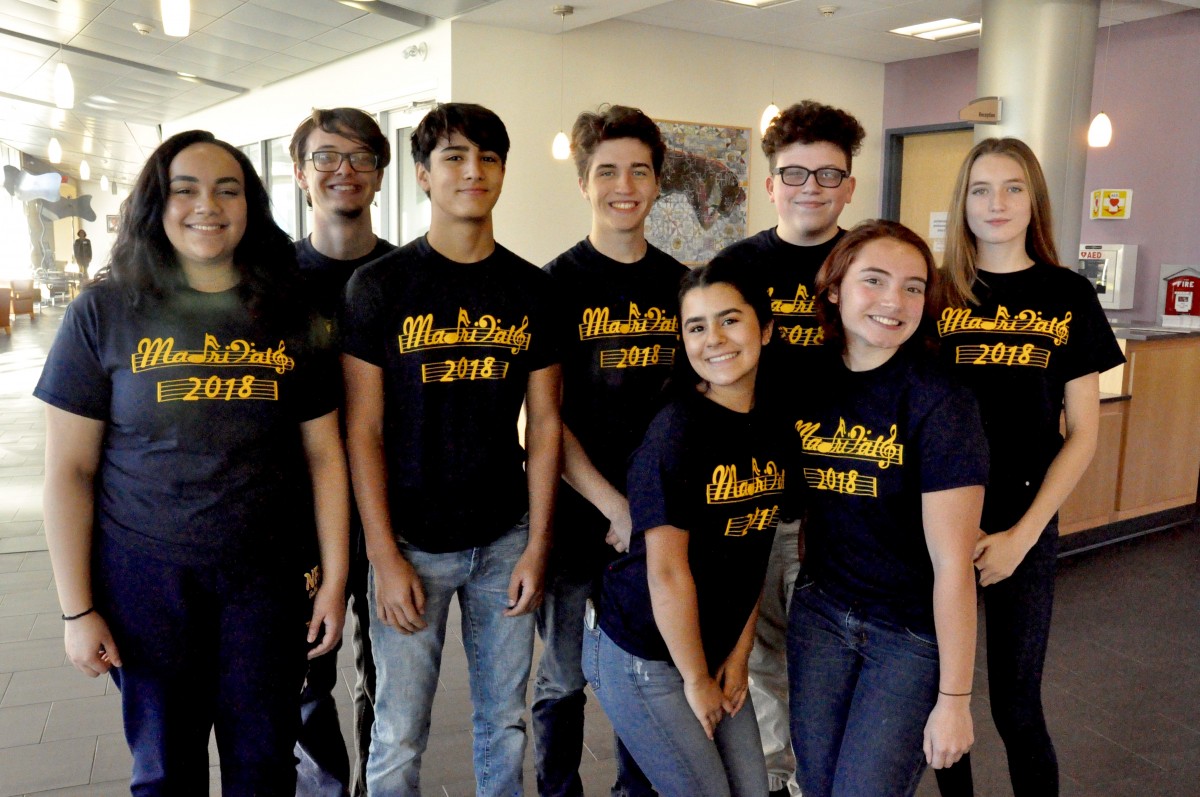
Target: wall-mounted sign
[{"x": 1112, "y": 203}]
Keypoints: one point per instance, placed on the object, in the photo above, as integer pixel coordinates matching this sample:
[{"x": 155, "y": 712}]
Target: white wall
[
  {"x": 374, "y": 80},
  {"x": 668, "y": 74}
]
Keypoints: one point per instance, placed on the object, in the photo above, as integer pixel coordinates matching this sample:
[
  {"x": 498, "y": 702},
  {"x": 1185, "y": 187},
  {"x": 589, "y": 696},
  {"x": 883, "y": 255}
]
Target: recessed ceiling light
[
  {"x": 940, "y": 29},
  {"x": 100, "y": 98},
  {"x": 757, "y": 3}
]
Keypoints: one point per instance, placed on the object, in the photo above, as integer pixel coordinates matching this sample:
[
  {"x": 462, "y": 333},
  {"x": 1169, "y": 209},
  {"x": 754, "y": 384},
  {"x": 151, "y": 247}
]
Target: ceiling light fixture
[
  {"x": 1100, "y": 130},
  {"x": 561, "y": 148},
  {"x": 85, "y": 171},
  {"x": 54, "y": 151},
  {"x": 176, "y": 17},
  {"x": 104, "y": 182},
  {"x": 64, "y": 85},
  {"x": 941, "y": 30},
  {"x": 757, "y": 3}
]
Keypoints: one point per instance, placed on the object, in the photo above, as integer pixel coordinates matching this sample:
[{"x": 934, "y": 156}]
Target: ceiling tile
[
  {"x": 344, "y": 41},
  {"x": 268, "y": 20},
  {"x": 379, "y": 27},
  {"x": 325, "y": 12},
  {"x": 233, "y": 31}
]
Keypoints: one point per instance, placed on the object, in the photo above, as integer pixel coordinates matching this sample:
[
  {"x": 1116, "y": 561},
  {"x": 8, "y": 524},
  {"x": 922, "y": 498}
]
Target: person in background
[
  {"x": 666, "y": 650},
  {"x": 621, "y": 295},
  {"x": 881, "y": 631},
  {"x": 1030, "y": 340},
  {"x": 339, "y": 156},
  {"x": 82, "y": 251},
  {"x": 442, "y": 341},
  {"x": 810, "y": 149},
  {"x": 194, "y": 474}
]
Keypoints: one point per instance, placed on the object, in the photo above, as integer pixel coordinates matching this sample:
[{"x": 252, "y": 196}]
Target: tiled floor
[{"x": 1122, "y": 682}]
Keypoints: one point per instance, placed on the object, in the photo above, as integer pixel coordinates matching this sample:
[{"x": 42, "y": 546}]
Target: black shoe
[{"x": 780, "y": 792}]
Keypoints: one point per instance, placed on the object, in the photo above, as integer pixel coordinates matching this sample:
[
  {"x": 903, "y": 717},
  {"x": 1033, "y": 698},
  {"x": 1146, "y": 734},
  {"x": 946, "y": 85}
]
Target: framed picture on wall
[
  {"x": 111, "y": 223},
  {"x": 702, "y": 207}
]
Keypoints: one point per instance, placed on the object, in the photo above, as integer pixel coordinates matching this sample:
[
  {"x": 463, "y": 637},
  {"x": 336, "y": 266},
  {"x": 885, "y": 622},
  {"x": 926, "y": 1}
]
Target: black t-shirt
[
  {"x": 325, "y": 278},
  {"x": 720, "y": 476},
  {"x": 1033, "y": 331},
  {"x": 621, "y": 344},
  {"x": 456, "y": 342},
  {"x": 789, "y": 273},
  {"x": 872, "y": 443},
  {"x": 202, "y": 461}
]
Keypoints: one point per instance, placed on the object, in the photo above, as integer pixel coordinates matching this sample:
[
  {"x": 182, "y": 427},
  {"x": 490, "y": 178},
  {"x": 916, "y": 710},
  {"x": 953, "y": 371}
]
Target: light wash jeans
[
  {"x": 768, "y": 659},
  {"x": 645, "y": 701},
  {"x": 499, "y": 650}
]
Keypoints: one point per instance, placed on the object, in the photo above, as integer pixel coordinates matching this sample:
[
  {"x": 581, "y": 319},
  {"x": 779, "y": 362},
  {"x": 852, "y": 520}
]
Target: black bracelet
[
  {"x": 954, "y": 694},
  {"x": 83, "y": 613}
]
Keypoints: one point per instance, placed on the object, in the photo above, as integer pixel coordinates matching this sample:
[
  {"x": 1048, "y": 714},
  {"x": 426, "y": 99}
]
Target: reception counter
[{"x": 1147, "y": 465}]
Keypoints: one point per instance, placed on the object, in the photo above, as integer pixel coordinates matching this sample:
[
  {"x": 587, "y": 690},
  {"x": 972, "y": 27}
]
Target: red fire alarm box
[{"x": 1182, "y": 305}]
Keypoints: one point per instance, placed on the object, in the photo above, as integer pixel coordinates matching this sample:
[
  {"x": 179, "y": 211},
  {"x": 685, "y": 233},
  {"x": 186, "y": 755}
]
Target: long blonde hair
[{"x": 959, "y": 261}]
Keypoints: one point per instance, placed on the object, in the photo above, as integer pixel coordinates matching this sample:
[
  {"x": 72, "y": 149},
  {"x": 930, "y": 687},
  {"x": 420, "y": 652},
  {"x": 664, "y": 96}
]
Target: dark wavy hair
[
  {"x": 351, "y": 123},
  {"x": 833, "y": 271},
  {"x": 721, "y": 271},
  {"x": 810, "y": 122},
  {"x": 143, "y": 261},
  {"x": 481, "y": 126},
  {"x": 614, "y": 121}
]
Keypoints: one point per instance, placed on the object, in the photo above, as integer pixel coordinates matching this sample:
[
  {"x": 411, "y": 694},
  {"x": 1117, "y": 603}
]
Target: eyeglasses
[
  {"x": 326, "y": 160},
  {"x": 797, "y": 176}
]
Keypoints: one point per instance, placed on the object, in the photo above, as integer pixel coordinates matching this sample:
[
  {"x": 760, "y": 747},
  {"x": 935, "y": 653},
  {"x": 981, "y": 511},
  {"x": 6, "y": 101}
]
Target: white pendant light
[
  {"x": 64, "y": 87},
  {"x": 104, "y": 182},
  {"x": 561, "y": 148},
  {"x": 1100, "y": 130},
  {"x": 85, "y": 171},
  {"x": 176, "y": 17},
  {"x": 768, "y": 116},
  {"x": 54, "y": 151}
]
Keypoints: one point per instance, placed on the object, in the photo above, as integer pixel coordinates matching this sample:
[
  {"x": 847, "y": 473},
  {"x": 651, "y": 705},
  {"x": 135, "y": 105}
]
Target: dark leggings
[{"x": 1017, "y": 612}]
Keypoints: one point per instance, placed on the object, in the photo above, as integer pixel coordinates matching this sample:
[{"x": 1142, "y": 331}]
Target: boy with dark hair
[
  {"x": 620, "y": 293},
  {"x": 809, "y": 147},
  {"x": 443, "y": 339},
  {"x": 339, "y": 155}
]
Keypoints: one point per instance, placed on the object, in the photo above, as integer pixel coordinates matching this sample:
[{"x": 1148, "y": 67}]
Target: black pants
[
  {"x": 323, "y": 768},
  {"x": 1017, "y": 612},
  {"x": 204, "y": 647}
]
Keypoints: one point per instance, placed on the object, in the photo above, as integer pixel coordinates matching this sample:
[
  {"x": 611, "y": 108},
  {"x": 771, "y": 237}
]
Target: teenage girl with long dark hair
[{"x": 193, "y": 467}]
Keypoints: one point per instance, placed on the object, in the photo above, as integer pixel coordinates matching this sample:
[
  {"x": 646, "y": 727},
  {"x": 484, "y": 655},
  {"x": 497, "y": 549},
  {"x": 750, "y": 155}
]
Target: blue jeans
[
  {"x": 1017, "y": 612},
  {"x": 498, "y": 648},
  {"x": 644, "y": 699},
  {"x": 204, "y": 647},
  {"x": 558, "y": 696},
  {"x": 862, "y": 691}
]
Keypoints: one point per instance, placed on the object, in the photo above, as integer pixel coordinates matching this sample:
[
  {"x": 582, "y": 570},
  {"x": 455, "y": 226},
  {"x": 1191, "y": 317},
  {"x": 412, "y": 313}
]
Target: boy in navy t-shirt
[{"x": 443, "y": 341}]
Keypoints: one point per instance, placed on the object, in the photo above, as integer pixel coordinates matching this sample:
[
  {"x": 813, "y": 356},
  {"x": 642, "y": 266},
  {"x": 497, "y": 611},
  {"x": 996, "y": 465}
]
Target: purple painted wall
[{"x": 1151, "y": 91}]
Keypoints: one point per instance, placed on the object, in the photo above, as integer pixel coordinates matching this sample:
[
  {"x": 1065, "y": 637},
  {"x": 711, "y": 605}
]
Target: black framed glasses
[
  {"x": 326, "y": 160},
  {"x": 797, "y": 176}
]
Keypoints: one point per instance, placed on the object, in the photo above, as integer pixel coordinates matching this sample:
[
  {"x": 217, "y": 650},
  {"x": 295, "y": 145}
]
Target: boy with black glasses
[{"x": 810, "y": 147}]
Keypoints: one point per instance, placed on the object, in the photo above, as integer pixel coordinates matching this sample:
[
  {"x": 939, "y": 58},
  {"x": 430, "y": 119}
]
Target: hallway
[{"x": 1122, "y": 680}]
